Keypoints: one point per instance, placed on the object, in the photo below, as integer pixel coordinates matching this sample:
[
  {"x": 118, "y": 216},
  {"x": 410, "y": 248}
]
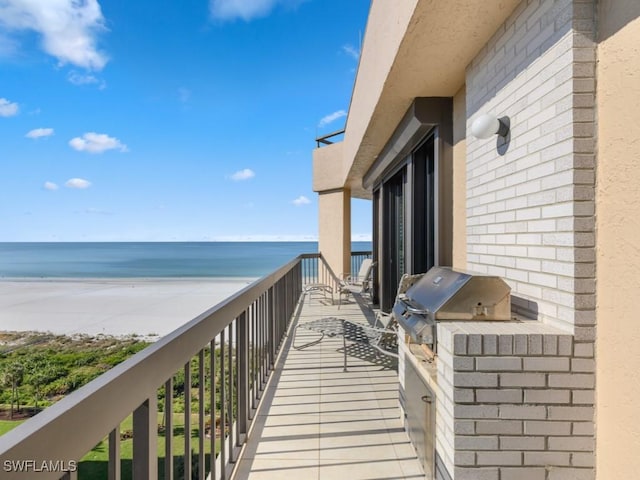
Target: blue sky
[{"x": 170, "y": 120}]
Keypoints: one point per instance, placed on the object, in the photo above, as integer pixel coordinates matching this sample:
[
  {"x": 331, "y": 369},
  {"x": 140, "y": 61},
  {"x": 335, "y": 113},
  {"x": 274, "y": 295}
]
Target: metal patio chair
[
  {"x": 360, "y": 283},
  {"x": 383, "y": 338}
]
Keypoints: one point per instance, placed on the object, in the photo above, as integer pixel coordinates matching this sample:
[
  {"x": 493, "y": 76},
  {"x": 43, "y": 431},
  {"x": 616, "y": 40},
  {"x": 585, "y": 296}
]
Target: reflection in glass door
[
  {"x": 424, "y": 213},
  {"x": 394, "y": 238}
]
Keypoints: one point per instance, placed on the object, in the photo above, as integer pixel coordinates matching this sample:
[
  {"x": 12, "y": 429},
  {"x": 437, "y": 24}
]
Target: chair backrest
[
  {"x": 365, "y": 269},
  {"x": 406, "y": 281}
]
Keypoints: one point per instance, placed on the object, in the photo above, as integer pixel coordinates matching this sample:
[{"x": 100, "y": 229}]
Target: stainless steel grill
[{"x": 446, "y": 294}]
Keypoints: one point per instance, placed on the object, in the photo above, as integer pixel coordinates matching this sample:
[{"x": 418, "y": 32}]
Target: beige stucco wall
[
  {"x": 381, "y": 44},
  {"x": 334, "y": 229},
  {"x": 328, "y": 167},
  {"x": 618, "y": 241},
  {"x": 459, "y": 250}
]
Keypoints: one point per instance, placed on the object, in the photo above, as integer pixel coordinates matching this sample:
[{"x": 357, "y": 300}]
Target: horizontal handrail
[
  {"x": 70, "y": 428},
  {"x": 247, "y": 328}
]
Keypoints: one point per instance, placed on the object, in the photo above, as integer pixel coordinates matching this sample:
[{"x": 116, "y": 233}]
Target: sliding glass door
[
  {"x": 424, "y": 208},
  {"x": 394, "y": 224}
]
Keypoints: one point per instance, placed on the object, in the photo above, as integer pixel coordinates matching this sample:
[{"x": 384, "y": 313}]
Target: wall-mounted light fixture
[{"x": 488, "y": 124}]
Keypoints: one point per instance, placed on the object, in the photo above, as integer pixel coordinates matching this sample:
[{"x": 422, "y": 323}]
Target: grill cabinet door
[{"x": 420, "y": 411}]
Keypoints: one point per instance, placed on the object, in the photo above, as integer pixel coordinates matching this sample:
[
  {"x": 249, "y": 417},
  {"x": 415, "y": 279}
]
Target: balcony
[{"x": 274, "y": 409}]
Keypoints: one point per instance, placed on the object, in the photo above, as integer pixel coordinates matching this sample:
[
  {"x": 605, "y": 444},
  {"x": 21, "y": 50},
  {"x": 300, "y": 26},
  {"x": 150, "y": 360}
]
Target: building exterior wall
[
  {"x": 526, "y": 399},
  {"x": 459, "y": 172},
  {"x": 530, "y": 211},
  {"x": 334, "y": 229},
  {"x": 618, "y": 227},
  {"x": 518, "y": 398},
  {"x": 328, "y": 167}
]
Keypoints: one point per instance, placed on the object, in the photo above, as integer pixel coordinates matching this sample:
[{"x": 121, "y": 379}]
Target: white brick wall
[
  {"x": 516, "y": 401},
  {"x": 530, "y": 211}
]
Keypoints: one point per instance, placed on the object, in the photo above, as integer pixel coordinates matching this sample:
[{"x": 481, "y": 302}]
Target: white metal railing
[{"x": 241, "y": 337}]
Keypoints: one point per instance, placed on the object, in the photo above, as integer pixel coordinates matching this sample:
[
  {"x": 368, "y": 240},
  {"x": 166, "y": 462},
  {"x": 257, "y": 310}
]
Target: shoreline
[{"x": 146, "y": 307}]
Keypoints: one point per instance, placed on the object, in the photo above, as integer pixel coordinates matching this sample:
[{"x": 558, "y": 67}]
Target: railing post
[
  {"x": 242, "y": 354},
  {"x": 232, "y": 458},
  {"x": 145, "y": 440},
  {"x": 223, "y": 404},
  {"x": 213, "y": 435},
  {"x": 168, "y": 429},
  {"x": 201, "y": 419},
  {"x": 271, "y": 315},
  {"x": 114, "y": 470},
  {"x": 186, "y": 464}
]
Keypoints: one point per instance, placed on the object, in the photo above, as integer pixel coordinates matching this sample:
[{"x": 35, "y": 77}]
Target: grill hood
[{"x": 446, "y": 294}]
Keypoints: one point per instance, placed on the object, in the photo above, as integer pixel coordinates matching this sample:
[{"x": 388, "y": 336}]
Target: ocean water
[{"x": 150, "y": 259}]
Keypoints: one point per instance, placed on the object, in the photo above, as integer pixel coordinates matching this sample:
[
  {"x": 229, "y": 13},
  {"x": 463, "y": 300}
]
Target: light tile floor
[{"x": 318, "y": 422}]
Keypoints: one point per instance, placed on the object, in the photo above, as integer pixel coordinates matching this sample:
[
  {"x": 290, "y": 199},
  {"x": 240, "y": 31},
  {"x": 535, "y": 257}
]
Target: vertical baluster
[
  {"x": 231, "y": 395},
  {"x": 168, "y": 429},
  {"x": 242, "y": 355},
  {"x": 263, "y": 340},
  {"x": 145, "y": 440},
  {"x": 223, "y": 402},
  {"x": 283, "y": 310},
  {"x": 274, "y": 320},
  {"x": 271, "y": 326},
  {"x": 212, "y": 378},
  {"x": 201, "y": 422},
  {"x": 254, "y": 358},
  {"x": 278, "y": 317},
  {"x": 114, "y": 470},
  {"x": 187, "y": 420}
]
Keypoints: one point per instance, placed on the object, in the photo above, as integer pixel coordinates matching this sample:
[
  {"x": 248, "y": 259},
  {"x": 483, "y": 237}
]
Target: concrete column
[
  {"x": 334, "y": 228},
  {"x": 618, "y": 244}
]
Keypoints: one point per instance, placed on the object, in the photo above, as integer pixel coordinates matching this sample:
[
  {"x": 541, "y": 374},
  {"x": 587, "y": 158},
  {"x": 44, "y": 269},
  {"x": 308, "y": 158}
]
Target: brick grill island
[{"x": 501, "y": 400}]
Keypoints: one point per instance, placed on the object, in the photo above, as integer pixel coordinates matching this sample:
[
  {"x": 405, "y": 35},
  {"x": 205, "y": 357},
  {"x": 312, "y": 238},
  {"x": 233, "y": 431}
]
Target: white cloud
[
  {"x": 79, "y": 183},
  {"x": 39, "y": 132},
  {"x": 352, "y": 51},
  {"x": 92, "y": 142},
  {"x": 97, "y": 211},
  {"x": 50, "y": 186},
  {"x": 69, "y": 28},
  {"x": 85, "y": 79},
  {"x": 332, "y": 117},
  {"x": 246, "y": 9},
  {"x": 301, "y": 200},
  {"x": 7, "y": 108},
  {"x": 245, "y": 174}
]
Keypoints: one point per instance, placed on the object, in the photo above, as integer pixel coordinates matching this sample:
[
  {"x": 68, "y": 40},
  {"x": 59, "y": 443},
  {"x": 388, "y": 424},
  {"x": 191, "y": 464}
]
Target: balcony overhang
[
  {"x": 328, "y": 168},
  {"x": 411, "y": 49}
]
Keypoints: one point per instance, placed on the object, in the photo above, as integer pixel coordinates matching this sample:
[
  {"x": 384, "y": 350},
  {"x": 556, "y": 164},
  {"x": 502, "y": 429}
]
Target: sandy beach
[{"x": 146, "y": 307}]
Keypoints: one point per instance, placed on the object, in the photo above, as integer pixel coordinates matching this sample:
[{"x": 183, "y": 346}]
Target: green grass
[{"x": 7, "y": 425}]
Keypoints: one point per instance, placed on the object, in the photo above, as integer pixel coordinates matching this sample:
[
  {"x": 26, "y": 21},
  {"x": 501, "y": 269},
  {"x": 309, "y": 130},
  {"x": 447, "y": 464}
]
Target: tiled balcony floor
[{"x": 319, "y": 422}]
